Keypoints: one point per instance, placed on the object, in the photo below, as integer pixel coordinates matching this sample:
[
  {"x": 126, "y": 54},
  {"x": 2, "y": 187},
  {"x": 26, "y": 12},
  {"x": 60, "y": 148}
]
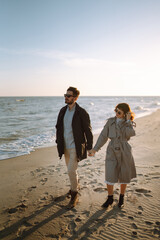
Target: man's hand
[{"x": 91, "y": 153}]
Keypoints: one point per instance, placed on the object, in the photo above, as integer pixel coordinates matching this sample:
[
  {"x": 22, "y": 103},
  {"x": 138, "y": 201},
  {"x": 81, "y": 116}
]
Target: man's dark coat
[{"x": 82, "y": 134}]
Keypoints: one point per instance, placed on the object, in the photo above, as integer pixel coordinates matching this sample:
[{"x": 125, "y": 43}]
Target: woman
[{"x": 119, "y": 164}]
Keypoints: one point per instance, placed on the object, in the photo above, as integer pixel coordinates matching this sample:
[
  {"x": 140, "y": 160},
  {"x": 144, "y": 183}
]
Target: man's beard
[{"x": 69, "y": 103}]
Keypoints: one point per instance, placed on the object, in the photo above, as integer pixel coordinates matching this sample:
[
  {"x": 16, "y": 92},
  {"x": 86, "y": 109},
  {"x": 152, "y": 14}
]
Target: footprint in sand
[
  {"x": 122, "y": 214},
  {"x": 78, "y": 219},
  {"x": 43, "y": 181},
  {"x": 134, "y": 226},
  {"x": 116, "y": 192},
  {"x": 155, "y": 177},
  {"x": 59, "y": 199},
  {"x": 52, "y": 166},
  {"x": 44, "y": 198},
  {"x": 42, "y": 174},
  {"x": 50, "y": 171},
  {"x": 23, "y": 228},
  {"x": 100, "y": 189},
  {"x": 31, "y": 188},
  {"x": 134, "y": 233},
  {"x": 12, "y": 210},
  {"x": 27, "y": 224},
  {"x": 72, "y": 225},
  {"x": 154, "y": 174},
  {"x": 20, "y": 207},
  {"x": 134, "y": 180},
  {"x": 93, "y": 181},
  {"x": 148, "y": 195},
  {"x": 148, "y": 222},
  {"x": 39, "y": 169},
  {"x": 157, "y": 223},
  {"x": 58, "y": 169},
  {"x": 87, "y": 213},
  {"x": 139, "y": 213},
  {"x": 140, "y": 208},
  {"x": 20, "y": 231},
  {"x": 32, "y": 173},
  {"x": 100, "y": 184},
  {"x": 142, "y": 190},
  {"x": 148, "y": 178},
  {"x": 156, "y": 232}
]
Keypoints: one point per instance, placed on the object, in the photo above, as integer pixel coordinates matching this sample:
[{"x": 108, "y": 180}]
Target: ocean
[{"x": 27, "y": 123}]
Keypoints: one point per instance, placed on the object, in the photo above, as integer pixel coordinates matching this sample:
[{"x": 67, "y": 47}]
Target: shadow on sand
[{"x": 95, "y": 221}]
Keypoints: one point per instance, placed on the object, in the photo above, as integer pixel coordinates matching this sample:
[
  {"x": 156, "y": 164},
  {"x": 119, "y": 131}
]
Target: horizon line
[{"x": 84, "y": 96}]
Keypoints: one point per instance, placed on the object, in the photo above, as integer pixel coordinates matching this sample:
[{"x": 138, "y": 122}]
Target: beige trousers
[{"x": 72, "y": 165}]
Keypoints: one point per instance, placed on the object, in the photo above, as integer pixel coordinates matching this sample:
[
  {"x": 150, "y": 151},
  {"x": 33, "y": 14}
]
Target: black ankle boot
[
  {"x": 121, "y": 200},
  {"x": 108, "y": 202}
]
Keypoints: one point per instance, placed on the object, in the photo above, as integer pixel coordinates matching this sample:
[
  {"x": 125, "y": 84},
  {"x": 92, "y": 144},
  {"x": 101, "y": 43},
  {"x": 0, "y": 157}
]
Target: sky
[{"x": 102, "y": 47}]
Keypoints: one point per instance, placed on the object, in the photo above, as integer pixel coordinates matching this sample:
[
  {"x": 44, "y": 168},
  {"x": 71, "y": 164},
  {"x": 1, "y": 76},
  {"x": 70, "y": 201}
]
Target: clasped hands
[{"x": 91, "y": 153}]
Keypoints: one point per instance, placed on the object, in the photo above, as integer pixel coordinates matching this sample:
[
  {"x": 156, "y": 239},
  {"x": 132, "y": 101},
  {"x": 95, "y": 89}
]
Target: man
[{"x": 73, "y": 137}]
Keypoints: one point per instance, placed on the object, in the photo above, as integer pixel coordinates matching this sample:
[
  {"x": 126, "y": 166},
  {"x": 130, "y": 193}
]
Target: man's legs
[{"x": 72, "y": 164}]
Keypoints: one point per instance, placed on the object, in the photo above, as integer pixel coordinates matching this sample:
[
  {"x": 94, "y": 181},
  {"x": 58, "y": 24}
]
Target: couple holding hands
[{"x": 74, "y": 138}]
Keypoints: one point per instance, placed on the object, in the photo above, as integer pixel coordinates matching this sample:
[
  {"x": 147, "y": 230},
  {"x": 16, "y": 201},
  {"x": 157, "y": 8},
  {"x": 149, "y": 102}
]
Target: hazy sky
[{"x": 102, "y": 47}]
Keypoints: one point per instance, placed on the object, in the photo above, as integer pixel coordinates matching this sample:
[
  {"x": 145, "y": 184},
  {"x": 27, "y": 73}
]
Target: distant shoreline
[{"x": 51, "y": 145}]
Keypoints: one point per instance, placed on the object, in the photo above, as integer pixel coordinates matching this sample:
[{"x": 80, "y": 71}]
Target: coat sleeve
[
  {"x": 56, "y": 126},
  {"x": 87, "y": 129},
  {"x": 129, "y": 131},
  {"x": 103, "y": 137},
  {"x": 59, "y": 122}
]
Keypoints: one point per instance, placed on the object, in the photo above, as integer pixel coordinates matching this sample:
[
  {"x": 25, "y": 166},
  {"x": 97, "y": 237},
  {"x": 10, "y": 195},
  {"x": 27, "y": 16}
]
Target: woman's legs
[
  {"x": 110, "y": 189},
  {"x": 109, "y": 200},
  {"x": 121, "y": 197},
  {"x": 123, "y": 188}
]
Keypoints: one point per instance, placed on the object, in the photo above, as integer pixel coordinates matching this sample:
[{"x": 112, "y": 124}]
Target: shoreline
[
  {"x": 34, "y": 186},
  {"x": 97, "y": 132}
]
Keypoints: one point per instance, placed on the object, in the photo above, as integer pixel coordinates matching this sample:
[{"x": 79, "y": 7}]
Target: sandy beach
[{"x": 33, "y": 194}]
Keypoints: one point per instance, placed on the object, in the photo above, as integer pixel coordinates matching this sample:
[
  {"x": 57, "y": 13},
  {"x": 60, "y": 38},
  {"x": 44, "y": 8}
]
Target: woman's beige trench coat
[{"x": 120, "y": 166}]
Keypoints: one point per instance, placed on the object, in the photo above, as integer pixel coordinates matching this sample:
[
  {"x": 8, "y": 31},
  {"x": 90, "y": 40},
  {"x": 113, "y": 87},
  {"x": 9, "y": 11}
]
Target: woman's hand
[
  {"x": 128, "y": 116},
  {"x": 91, "y": 153}
]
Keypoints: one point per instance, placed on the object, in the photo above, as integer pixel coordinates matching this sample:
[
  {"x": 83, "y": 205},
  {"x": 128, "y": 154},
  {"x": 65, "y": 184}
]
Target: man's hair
[{"x": 75, "y": 91}]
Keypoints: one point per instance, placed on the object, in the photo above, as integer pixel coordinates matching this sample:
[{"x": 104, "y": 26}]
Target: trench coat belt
[
  {"x": 117, "y": 145},
  {"x": 115, "y": 142},
  {"x": 118, "y": 140}
]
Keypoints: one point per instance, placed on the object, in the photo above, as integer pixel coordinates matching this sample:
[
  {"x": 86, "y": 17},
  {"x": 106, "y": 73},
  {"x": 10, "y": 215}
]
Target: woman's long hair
[{"x": 125, "y": 108}]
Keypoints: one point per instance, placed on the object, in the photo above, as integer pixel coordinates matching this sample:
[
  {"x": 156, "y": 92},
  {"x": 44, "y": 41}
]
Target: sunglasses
[
  {"x": 118, "y": 112},
  {"x": 68, "y": 95}
]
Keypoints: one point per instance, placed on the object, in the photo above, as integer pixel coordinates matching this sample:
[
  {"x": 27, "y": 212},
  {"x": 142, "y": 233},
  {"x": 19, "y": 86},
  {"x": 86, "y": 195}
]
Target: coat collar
[
  {"x": 113, "y": 121},
  {"x": 66, "y": 106}
]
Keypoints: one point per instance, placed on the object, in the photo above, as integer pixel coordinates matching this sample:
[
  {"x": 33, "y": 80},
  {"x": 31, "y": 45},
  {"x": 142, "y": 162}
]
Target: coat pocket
[{"x": 110, "y": 154}]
